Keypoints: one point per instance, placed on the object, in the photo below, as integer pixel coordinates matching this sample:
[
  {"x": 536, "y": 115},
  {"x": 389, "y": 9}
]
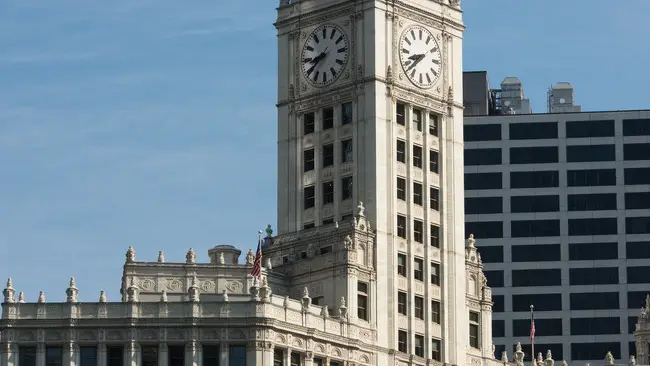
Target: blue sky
[{"x": 122, "y": 122}]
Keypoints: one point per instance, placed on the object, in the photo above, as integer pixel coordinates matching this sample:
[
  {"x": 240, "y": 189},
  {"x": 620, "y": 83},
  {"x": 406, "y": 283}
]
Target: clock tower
[{"x": 370, "y": 110}]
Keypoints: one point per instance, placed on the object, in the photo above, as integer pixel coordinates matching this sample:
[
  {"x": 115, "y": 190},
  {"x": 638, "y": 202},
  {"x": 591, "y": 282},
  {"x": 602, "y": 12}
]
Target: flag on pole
[
  {"x": 257, "y": 263},
  {"x": 532, "y": 327}
]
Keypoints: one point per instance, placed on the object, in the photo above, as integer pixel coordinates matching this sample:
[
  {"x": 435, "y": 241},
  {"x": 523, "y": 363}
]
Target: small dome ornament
[
  {"x": 41, "y": 297},
  {"x": 9, "y": 292},
  {"x": 72, "y": 292},
  {"x": 161, "y": 257},
  {"x": 190, "y": 257},
  {"x": 102, "y": 297},
  {"x": 21, "y": 297},
  {"x": 130, "y": 255}
]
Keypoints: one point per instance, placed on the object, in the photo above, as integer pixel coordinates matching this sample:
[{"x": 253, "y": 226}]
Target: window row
[
  {"x": 577, "y": 252},
  {"x": 327, "y": 155},
  {"x": 418, "y": 269},
  {"x": 578, "y": 301},
  {"x": 418, "y": 194},
  {"x": 551, "y": 227},
  {"x": 553, "y": 327},
  {"x": 577, "y": 276},
  {"x": 328, "y": 192},
  {"x": 327, "y": 118},
  {"x": 416, "y": 153},
  {"x": 418, "y": 307},
  {"x": 418, "y": 346},
  {"x": 286, "y": 358},
  {"x": 417, "y": 117},
  {"x": 418, "y": 231},
  {"x": 579, "y": 351}
]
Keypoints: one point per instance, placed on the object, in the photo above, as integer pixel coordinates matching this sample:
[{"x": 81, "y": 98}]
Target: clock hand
[{"x": 416, "y": 62}]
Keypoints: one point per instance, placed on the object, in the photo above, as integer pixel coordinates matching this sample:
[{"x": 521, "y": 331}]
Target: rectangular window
[
  {"x": 88, "y": 356},
  {"x": 417, "y": 156},
  {"x": 534, "y": 228},
  {"x": 600, "y": 226},
  {"x": 328, "y": 192},
  {"x": 637, "y": 225},
  {"x": 536, "y": 253},
  {"x": 115, "y": 356},
  {"x": 418, "y": 269},
  {"x": 638, "y": 274},
  {"x": 309, "y": 125},
  {"x": 402, "y": 306},
  {"x": 433, "y": 124},
  {"x": 346, "y": 113},
  {"x": 482, "y": 156},
  {"x": 417, "y": 119},
  {"x": 308, "y": 226},
  {"x": 401, "y": 226},
  {"x": 594, "y": 276},
  {"x": 534, "y": 155},
  {"x": 149, "y": 355},
  {"x": 492, "y": 254},
  {"x": 402, "y": 341},
  {"x": 435, "y": 311},
  {"x": 475, "y": 181},
  {"x": 594, "y": 301},
  {"x": 53, "y": 356},
  {"x": 474, "y": 321},
  {"x": 346, "y": 188},
  {"x": 27, "y": 356},
  {"x": 328, "y": 155},
  {"x": 418, "y": 231},
  {"x": 435, "y": 274},
  {"x": 176, "y": 355},
  {"x": 401, "y": 265},
  {"x": 533, "y": 131},
  {"x": 419, "y": 345},
  {"x": 295, "y": 359},
  {"x": 636, "y": 127},
  {"x": 362, "y": 300},
  {"x": 637, "y": 250},
  {"x": 590, "y": 153},
  {"x": 494, "y": 278},
  {"x": 637, "y": 176},
  {"x": 483, "y": 205},
  {"x": 482, "y": 132},
  {"x": 418, "y": 305},
  {"x": 594, "y": 350},
  {"x": 237, "y": 356},
  {"x": 310, "y": 197},
  {"x": 433, "y": 161},
  {"x": 498, "y": 328},
  {"x": 591, "y": 177},
  {"x": 417, "y": 193},
  {"x": 278, "y": 357},
  {"x": 540, "y": 203},
  {"x": 543, "y": 302},
  {"x": 593, "y": 251},
  {"x": 434, "y": 198},
  {"x": 328, "y": 118},
  {"x": 543, "y": 328},
  {"x": 536, "y": 277},
  {"x": 308, "y": 160},
  {"x": 536, "y": 179},
  {"x": 577, "y": 129},
  {"x": 591, "y": 202},
  {"x": 401, "y": 151},
  {"x": 434, "y": 235},
  {"x": 637, "y": 200},
  {"x": 484, "y": 229},
  {"x": 400, "y": 114},
  {"x": 436, "y": 347},
  {"x": 401, "y": 189},
  {"x": 346, "y": 151},
  {"x": 212, "y": 356},
  {"x": 632, "y": 152}
]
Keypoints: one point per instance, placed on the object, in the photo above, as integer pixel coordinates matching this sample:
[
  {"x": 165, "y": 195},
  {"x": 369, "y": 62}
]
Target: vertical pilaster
[
  {"x": 40, "y": 354},
  {"x": 70, "y": 353},
  {"x": 163, "y": 354},
  {"x": 224, "y": 349},
  {"x": 309, "y": 359},
  {"x": 132, "y": 354},
  {"x": 268, "y": 354},
  {"x": 102, "y": 354},
  {"x": 9, "y": 354},
  {"x": 255, "y": 355},
  {"x": 192, "y": 356}
]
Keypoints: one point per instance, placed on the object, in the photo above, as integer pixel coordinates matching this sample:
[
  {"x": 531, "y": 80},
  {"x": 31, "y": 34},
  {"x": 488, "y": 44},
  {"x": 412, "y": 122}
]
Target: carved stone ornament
[
  {"x": 21, "y": 297},
  {"x": 161, "y": 257},
  {"x": 72, "y": 292},
  {"x": 609, "y": 358},
  {"x": 163, "y": 296},
  {"x": 130, "y": 255},
  {"x": 41, "y": 297},
  {"x": 9, "y": 292},
  {"x": 343, "y": 309},
  {"x": 190, "y": 257},
  {"x": 250, "y": 257},
  {"x": 102, "y": 297},
  {"x": 132, "y": 292}
]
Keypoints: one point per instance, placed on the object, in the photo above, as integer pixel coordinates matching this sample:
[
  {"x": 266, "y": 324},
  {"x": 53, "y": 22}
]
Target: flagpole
[{"x": 532, "y": 335}]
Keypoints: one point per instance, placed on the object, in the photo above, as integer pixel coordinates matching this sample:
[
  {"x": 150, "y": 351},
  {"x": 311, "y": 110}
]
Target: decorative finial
[
  {"x": 343, "y": 309},
  {"x": 132, "y": 292},
  {"x": 548, "y": 355},
  {"x": 193, "y": 291},
  {"x": 41, "y": 297},
  {"x": 21, "y": 297},
  {"x": 504, "y": 356},
  {"x": 9, "y": 292},
  {"x": 250, "y": 257},
  {"x": 564, "y": 363},
  {"x": 190, "y": 257},
  {"x": 471, "y": 241},
  {"x": 72, "y": 292},
  {"x": 540, "y": 359},
  {"x": 130, "y": 255},
  {"x": 269, "y": 231},
  {"x": 305, "y": 292},
  {"x": 161, "y": 257},
  {"x": 102, "y": 297},
  {"x": 632, "y": 361},
  {"x": 361, "y": 210},
  {"x": 389, "y": 73},
  {"x": 268, "y": 264},
  {"x": 609, "y": 358},
  {"x": 163, "y": 296}
]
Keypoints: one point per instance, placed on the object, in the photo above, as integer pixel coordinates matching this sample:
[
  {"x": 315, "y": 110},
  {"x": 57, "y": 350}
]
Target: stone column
[
  {"x": 255, "y": 354},
  {"x": 309, "y": 358},
  {"x": 268, "y": 354},
  {"x": 9, "y": 354},
  {"x": 224, "y": 349},
  {"x": 70, "y": 354},
  {"x": 163, "y": 354},
  {"x": 40, "y": 354},
  {"x": 132, "y": 354},
  {"x": 192, "y": 354},
  {"x": 102, "y": 354}
]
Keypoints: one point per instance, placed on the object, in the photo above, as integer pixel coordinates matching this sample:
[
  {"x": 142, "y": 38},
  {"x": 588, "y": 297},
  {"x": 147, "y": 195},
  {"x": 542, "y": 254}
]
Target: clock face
[
  {"x": 324, "y": 55},
  {"x": 420, "y": 56}
]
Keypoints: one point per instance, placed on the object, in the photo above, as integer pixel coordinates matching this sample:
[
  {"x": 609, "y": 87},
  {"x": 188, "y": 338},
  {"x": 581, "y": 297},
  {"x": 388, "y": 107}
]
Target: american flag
[
  {"x": 532, "y": 327},
  {"x": 257, "y": 263}
]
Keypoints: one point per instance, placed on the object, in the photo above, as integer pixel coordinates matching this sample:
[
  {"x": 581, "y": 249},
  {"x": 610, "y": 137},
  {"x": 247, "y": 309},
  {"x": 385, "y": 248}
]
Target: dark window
[
  {"x": 588, "y": 153},
  {"x": 556, "y": 349},
  {"x": 418, "y": 269},
  {"x": 417, "y": 119},
  {"x": 482, "y": 156},
  {"x": 309, "y": 125},
  {"x": 594, "y": 351},
  {"x": 638, "y": 274},
  {"x": 498, "y": 350},
  {"x": 418, "y": 231},
  {"x": 402, "y": 305},
  {"x": 632, "y": 348},
  {"x": 533, "y": 131},
  {"x": 176, "y": 355},
  {"x": 346, "y": 188},
  {"x": 534, "y": 228},
  {"x": 149, "y": 355},
  {"x": 402, "y": 341},
  {"x": 328, "y": 118},
  {"x": 115, "y": 356},
  {"x": 362, "y": 300},
  {"x": 417, "y": 193},
  {"x": 533, "y": 155},
  {"x": 536, "y": 277},
  {"x": 591, "y": 202},
  {"x": 539, "y": 179},
  {"x": 400, "y": 114},
  {"x": 27, "y": 356},
  {"x": 278, "y": 357},
  {"x": 434, "y": 198},
  {"x": 308, "y": 160},
  {"x": 593, "y": 251},
  {"x": 401, "y": 265},
  {"x": 328, "y": 192},
  {"x": 435, "y": 311},
  {"x": 591, "y": 177},
  {"x": 401, "y": 151},
  {"x": 542, "y": 302},
  {"x": 88, "y": 356},
  {"x": 419, "y": 345},
  {"x": 53, "y": 356},
  {"x": 417, "y": 156},
  {"x": 542, "y": 203},
  {"x": 346, "y": 151},
  {"x": 637, "y": 250},
  {"x": 593, "y": 301},
  {"x": 434, "y": 235},
  {"x": 494, "y": 278},
  {"x": 637, "y": 200},
  {"x": 593, "y": 276},
  {"x": 433, "y": 124},
  {"x": 418, "y": 306},
  {"x": 484, "y": 229},
  {"x": 536, "y": 253},
  {"x": 492, "y": 254},
  {"x": 310, "y": 199},
  {"x": 346, "y": 113},
  {"x": 487, "y": 132},
  {"x": 636, "y": 151},
  {"x": 595, "y": 326},
  {"x": 237, "y": 356},
  {"x": 295, "y": 359},
  {"x": 475, "y": 181},
  {"x": 436, "y": 349},
  {"x": 212, "y": 355},
  {"x": 636, "y": 299},
  {"x": 433, "y": 161},
  {"x": 328, "y": 155},
  {"x": 637, "y": 225},
  {"x": 483, "y": 205},
  {"x": 631, "y": 324},
  {"x": 435, "y": 274},
  {"x": 401, "y": 189},
  {"x": 401, "y": 226},
  {"x": 543, "y": 327},
  {"x": 601, "y": 226},
  {"x": 590, "y": 128},
  {"x": 498, "y": 306},
  {"x": 308, "y": 225},
  {"x": 636, "y": 127},
  {"x": 637, "y": 176},
  {"x": 474, "y": 333},
  {"x": 498, "y": 328}
]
